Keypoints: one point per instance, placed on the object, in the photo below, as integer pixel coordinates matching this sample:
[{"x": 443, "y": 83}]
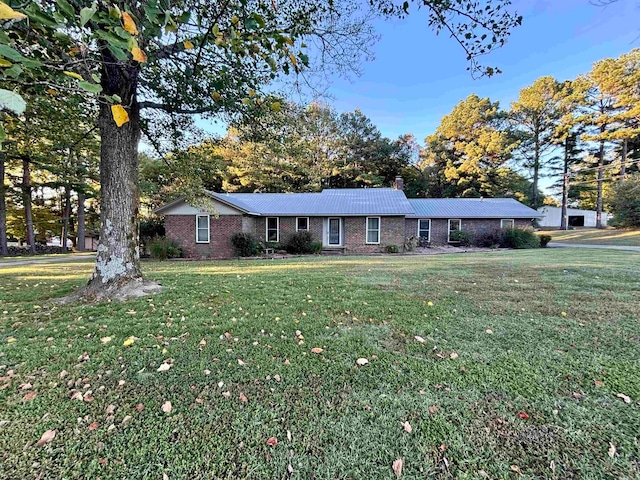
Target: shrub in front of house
[
  {"x": 490, "y": 239},
  {"x": 411, "y": 243},
  {"x": 519, "y": 238},
  {"x": 244, "y": 245},
  {"x": 299, "y": 243},
  {"x": 461, "y": 238},
  {"x": 316, "y": 248},
  {"x": 163, "y": 248},
  {"x": 392, "y": 249},
  {"x": 544, "y": 240}
]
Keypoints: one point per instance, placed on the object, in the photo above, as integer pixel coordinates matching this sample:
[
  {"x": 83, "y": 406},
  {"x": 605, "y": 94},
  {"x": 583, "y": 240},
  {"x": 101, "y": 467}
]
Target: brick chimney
[{"x": 398, "y": 184}]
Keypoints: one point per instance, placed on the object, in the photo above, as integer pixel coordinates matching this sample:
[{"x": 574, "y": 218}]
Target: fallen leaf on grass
[
  {"x": 202, "y": 344},
  {"x": 598, "y": 383},
  {"x": 105, "y": 339},
  {"x": 126, "y": 419},
  {"x": 272, "y": 441},
  {"x": 25, "y": 386},
  {"x": 407, "y": 427},
  {"x": 164, "y": 367},
  {"x": 207, "y": 372},
  {"x": 129, "y": 341},
  {"x": 241, "y": 363},
  {"x": 362, "y": 361},
  {"x": 419, "y": 339},
  {"x": 624, "y": 397},
  {"x": 139, "y": 407},
  {"x": 523, "y": 415},
  {"x": 453, "y": 355},
  {"x": 76, "y": 395},
  {"x": 489, "y": 331},
  {"x": 433, "y": 408},
  {"x": 166, "y": 406},
  {"x": 111, "y": 409},
  {"x": 94, "y": 426},
  {"x": 243, "y": 398},
  {"x": 397, "y": 467},
  {"x": 612, "y": 450},
  {"x": 46, "y": 437},
  {"x": 29, "y": 396},
  {"x": 317, "y": 350}
]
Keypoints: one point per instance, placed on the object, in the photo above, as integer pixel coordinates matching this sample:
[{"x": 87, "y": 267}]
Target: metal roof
[
  {"x": 343, "y": 202},
  {"x": 471, "y": 208}
]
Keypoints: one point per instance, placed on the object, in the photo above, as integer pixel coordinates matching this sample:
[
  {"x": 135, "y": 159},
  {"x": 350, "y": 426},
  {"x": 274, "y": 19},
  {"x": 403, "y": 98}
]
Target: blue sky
[{"x": 417, "y": 78}]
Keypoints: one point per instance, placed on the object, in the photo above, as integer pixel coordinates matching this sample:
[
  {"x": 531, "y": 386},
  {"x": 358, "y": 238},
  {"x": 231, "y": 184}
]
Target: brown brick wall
[
  {"x": 257, "y": 228},
  {"x": 439, "y": 227},
  {"x": 182, "y": 229},
  {"x": 355, "y": 230}
]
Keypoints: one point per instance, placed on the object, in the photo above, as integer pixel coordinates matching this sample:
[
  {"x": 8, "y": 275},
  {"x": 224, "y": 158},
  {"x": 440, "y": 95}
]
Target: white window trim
[
  {"x": 420, "y": 220},
  {"x": 266, "y": 229},
  {"x": 366, "y": 233},
  {"x": 513, "y": 223},
  {"x": 308, "y": 225},
  {"x": 449, "y": 227},
  {"x": 208, "y": 227}
]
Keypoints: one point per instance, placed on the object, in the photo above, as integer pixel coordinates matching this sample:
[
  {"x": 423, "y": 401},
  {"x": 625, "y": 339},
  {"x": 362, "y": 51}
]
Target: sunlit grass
[
  {"x": 596, "y": 236},
  {"x": 551, "y": 333}
]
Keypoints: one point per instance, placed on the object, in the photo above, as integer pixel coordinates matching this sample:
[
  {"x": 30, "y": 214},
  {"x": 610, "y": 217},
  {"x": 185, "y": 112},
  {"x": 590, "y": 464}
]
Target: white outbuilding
[{"x": 577, "y": 217}]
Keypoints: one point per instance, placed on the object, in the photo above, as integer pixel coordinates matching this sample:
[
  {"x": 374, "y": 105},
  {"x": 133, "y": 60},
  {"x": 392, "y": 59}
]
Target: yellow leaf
[
  {"x": 10, "y": 339},
  {"x": 187, "y": 45},
  {"x": 138, "y": 55},
  {"x": 5, "y": 63},
  {"x": 51, "y": 91},
  {"x": 294, "y": 60},
  {"x": 129, "y": 341},
  {"x": 75, "y": 75},
  {"x": 275, "y": 106},
  {"x": 216, "y": 96},
  {"x": 6, "y": 12},
  {"x": 129, "y": 24}
]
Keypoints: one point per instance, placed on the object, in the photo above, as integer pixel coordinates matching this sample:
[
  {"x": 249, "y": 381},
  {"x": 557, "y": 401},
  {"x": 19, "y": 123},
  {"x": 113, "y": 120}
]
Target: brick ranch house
[{"x": 362, "y": 220}]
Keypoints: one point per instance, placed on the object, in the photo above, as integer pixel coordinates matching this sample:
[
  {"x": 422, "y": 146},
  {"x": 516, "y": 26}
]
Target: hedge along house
[{"x": 364, "y": 220}]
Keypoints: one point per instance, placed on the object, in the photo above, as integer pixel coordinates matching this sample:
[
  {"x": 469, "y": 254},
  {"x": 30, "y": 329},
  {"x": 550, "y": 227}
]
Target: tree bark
[
  {"x": 4, "y": 249},
  {"x": 623, "y": 160},
  {"x": 600, "y": 179},
  {"x": 80, "y": 242},
  {"x": 26, "y": 200},
  {"x": 536, "y": 169},
  {"x": 564, "y": 223},
  {"x": 66, "y": 213},
  {"x": 117, "y": 272}
]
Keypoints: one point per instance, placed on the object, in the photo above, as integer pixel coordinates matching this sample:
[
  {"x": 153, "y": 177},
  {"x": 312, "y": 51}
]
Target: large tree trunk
[
  {"x": 26, "y": 200},
  {"x": 600, "y": 179},
  {"x": 66, "y": 214},
  {"x": 80, "y": 242},
  {"x": 117, "y": 272},
  {"x": 4, "y": 250},
  {"x": 564, "y": 221}
]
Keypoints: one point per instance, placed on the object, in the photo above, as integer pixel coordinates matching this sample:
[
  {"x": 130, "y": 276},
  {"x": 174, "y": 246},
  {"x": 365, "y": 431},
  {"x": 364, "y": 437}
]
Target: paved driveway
[{"x": 608, "y": 247}]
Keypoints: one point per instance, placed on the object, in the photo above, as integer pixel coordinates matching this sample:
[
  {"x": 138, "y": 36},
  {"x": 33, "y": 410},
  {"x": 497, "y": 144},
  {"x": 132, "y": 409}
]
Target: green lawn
[
  {"x": 505, "y": 384},
  {"x": 594, "y": 236}
]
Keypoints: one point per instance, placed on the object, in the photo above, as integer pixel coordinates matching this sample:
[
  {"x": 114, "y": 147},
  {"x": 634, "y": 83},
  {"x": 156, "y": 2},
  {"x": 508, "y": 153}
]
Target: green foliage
[
  {"x": 460, "y": 237},
  {"x": 163, "y": 248},
  {"x": 392, "y": 249},
  {"x": 316, "y": 248},
  {"x": 299, "y": 243},
  {"x": 151, "y": 227},
  {"x": 544, "y": 240},
  {"x": 520, "y": 238},
  {"x": 625, "y": 202},
  {"x": 489, "y": 239},
  {"x": 244, "y": 244}
]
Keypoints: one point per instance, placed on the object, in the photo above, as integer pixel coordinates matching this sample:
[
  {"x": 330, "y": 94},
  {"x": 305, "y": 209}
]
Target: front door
[{"x": 334, "y": 231}]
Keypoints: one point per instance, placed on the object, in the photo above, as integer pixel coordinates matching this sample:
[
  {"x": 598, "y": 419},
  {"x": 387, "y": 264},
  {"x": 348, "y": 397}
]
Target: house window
[
  {"x": 455, "y": 225},
  {"x": 273, "y": 229},
  {"x": 302, "y": 224},
  {"x": 424, "y": 229},
  {"x": 373, "y": 230},
  {"x": 507, "y": 223},
  {"x": 202, "y": 229}
]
